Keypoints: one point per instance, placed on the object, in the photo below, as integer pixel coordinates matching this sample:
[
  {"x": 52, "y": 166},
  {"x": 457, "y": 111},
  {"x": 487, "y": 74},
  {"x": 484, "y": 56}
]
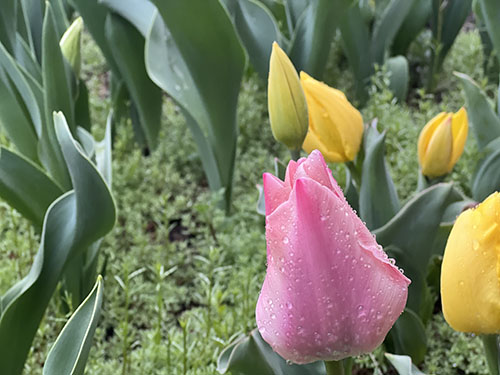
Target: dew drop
[
  {"x": 285, "y": 240},
  {"x": 475, "y": 244}
]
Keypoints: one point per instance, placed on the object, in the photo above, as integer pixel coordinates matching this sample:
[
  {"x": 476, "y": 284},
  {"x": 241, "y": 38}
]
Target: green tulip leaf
[
  {"x": 387, "y": 27},
  {"x": 257, "y": 29},
  {"x": 73, "y": 222},
  {"x": 69, "y": 353},
  {"x": 399, "y": 77},
  {"x": 378, "y": 200},
  {"x": 94, "y": 16},
  {"x": 413, "y": 24},
  {"x": 26, "y": 187},
  {"x": 251, "y": 355},
  {"x": 490, "y": 14},
  {"x": 15, "y": 122},
  {"x": 139, "y": 13},
  {"x": 312, "y": 37},
  {"x": 356, "y": 45},
  {"x": 485, "y": 122},
  {"x": 57, "y": 97},
  {"x": 454, "y": 15},
  {"x": 193, "y": 53},
  {"x": 408, "y": 336},
  {"x": 16, "y": 76},
  {"x": 403, "y": 365},
  {"x": 25, "y": 58},
  {"x": 127, "y": 46},
  {"x": 33, "y": 14},
  {"x": 8, "y": 24},
  {"x": 294, "y": 10},
  {"x": 413, "y": 230},
  {"x": 486, "y": 179}
]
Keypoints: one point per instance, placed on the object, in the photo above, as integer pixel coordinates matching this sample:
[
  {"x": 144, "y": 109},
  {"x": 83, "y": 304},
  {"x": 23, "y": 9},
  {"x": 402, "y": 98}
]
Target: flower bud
[
  {"x": 470, "y": 273},
  {"x": 70, "y": 44},
  {"x": 330, "y": 290},
  {"x": 335, "y": 126},
  {"x": 441, "y": 142},
  {"x": 286, "y": 102}
]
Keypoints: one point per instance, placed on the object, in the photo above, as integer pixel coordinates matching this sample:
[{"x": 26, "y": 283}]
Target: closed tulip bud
[
  {"x": 441, "y": 143},
  {"x": 335, "y": 126},
  {"x": 470, "y": 284},
  {"x": 330, "y": 291},
  {"x": 286, "y": 102},
  {"x": 70, "y": 44}
]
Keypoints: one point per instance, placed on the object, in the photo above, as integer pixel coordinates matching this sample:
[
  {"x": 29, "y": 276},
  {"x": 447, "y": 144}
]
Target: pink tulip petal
[
  {"x": 275, "y": 192},
  {"x": 330, "y": 292}
]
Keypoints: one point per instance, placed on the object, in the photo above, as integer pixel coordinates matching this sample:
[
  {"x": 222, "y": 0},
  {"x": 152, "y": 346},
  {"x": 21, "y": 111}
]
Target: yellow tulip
[
  {"x": 441, "y": 142},
  {"x": 470, "y": 273},
  {"x": 335, "y": 126},
  {"x": 286, "y": 102},
  {"x": 70, "y": 44}
]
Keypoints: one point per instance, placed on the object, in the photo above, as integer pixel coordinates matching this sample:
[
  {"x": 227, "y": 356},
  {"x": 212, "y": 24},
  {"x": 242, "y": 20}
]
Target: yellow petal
[
  {"x": 286, "y": 101},
  {"x": 426, "y": 135},
  {"x": 470, "y": 278},
  {"x": 460, "y": 129},
  {"x": 333, "y": 120},
  {"x": 439, "y": 150}
]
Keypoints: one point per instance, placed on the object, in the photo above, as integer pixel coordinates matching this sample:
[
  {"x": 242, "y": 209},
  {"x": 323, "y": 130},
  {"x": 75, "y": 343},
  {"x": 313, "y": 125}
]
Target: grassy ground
[{"x": 182, "y": 279}]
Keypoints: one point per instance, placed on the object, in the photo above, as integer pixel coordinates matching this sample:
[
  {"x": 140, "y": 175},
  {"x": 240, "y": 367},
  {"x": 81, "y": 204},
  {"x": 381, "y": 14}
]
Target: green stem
[
  {"x": 295, "y": 154},
  {"x": 334, "y": 367},
  {"x": 491, "y": 349}
]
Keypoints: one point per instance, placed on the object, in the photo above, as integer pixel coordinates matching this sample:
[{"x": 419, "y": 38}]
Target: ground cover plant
[{"x": 181, "y": 278}]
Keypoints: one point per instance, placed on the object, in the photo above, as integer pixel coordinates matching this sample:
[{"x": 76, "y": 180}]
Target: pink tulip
[{"x": 330, "y": 290}]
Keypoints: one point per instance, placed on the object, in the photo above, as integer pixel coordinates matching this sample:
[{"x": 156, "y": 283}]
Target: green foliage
[
  {"x": 72, "y": 223},
  {"x": 310, "y": 29},
  {"x": 69, "y": 353}
]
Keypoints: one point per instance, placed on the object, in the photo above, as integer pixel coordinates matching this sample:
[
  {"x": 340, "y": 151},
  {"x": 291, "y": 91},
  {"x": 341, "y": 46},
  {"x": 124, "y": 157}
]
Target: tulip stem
[
  {"x": 491, "y": 349},
  {"x": 334, "y": 367},
  {"x": 295, "y": 154}
]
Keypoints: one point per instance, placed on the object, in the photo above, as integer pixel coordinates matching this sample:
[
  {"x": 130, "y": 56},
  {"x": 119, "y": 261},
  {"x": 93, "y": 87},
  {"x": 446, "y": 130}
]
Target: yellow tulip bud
[
  {"x": 286, "y": 102},
  {"x": 470, "y": 273},
  {"x": 441, "y": 142},
  {"x": 335, "y": 126},
  {"x": 70, "y": 45}
]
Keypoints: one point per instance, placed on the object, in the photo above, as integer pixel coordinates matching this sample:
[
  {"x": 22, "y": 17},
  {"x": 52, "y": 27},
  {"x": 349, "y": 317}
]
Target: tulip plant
[
  {"x": 35, "y": 174},
  {"x": 202, "y": 75},
  {"x": 306, "y": 34},
  {"x": 75, "y": 222}
]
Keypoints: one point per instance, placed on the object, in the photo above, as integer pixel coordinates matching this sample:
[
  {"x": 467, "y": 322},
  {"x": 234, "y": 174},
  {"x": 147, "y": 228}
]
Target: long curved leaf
[
  {"x": 312, "y": 38},
  {"x": 257, "y": 29},
  {"x": 69, "y": 353},
  {"x": 485, "y": 122},
  {"x": 387, "y": 27},
  {"x": 139, "y": 13},
  {"x": 19, "y": 81},
  {"x": 8, "y": 24},
  {"x": 197, "y": 59},
  {"x": 251, "y": 355},
  {"x": 413, "y": 24},
  {"x": 413, "y": 231},
  {"x": 57, "y": 97},
  {"x": 127, "y": 46},
  {"x": 15, "y": 122},
  {"x": 73, "y": 222},
  {"x": 26, "y": 187},
  {"x": 378, "y": 200},
  {"x": 490, "y": 13}
]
